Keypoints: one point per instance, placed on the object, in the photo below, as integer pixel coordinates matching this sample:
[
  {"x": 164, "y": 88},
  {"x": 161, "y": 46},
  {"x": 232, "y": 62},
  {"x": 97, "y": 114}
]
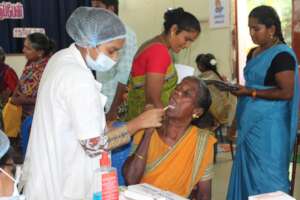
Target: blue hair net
[
  {"x": 90, "y": 27},
  {"x": 4, "y": 144}
]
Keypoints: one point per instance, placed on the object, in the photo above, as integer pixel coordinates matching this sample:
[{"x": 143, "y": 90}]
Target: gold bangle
[
  {"x": 253, "y": 93},
  {"x": 139, "y": 156}
]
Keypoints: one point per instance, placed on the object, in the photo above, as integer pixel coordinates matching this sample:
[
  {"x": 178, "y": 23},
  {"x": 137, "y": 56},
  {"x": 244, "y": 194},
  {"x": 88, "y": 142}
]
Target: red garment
[
  {"x": 11, "y": 79},
  {"x": 8, "y": 77},
  {"x": 154, "y": 59}
]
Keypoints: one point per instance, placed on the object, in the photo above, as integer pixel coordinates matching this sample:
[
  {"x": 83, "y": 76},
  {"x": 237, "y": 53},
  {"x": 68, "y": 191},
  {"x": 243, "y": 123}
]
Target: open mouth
[{"x": 172, "y": 104}]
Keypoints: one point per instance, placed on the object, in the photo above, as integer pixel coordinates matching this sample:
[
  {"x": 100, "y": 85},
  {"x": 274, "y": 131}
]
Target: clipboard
[{"x": 222, "y": 85}]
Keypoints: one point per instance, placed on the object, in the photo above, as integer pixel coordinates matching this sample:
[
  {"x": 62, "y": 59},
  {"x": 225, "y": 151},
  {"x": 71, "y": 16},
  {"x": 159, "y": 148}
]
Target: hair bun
[
  {"x": 184, "y": 21},
  {"x": 178, "y": 10},
  {"x": 173, "y": 13}
]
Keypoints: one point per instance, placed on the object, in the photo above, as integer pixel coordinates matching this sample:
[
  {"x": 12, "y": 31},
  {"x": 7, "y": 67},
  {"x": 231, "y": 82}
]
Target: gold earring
[
  {"x": 195, "y": 116},
  {"x": 173, "y": 33}
]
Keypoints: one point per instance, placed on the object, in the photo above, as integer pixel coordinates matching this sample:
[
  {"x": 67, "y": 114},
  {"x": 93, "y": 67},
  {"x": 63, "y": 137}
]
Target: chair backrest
[{"x": 232, "y": 132}]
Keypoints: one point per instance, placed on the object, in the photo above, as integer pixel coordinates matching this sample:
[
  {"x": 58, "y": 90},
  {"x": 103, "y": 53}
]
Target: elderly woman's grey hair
[
  {"x": 41, "y": 42},
  {"x": 204, "y": 97}
]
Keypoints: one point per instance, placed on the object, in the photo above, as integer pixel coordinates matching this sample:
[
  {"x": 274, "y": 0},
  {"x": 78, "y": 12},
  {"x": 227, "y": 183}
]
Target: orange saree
[{"x": 179, "y": 168}]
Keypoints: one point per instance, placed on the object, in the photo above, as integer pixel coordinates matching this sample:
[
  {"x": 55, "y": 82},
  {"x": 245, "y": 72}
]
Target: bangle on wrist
[
  {"x": 253, "y": 93},
  {"x": 139, "y": 156}
]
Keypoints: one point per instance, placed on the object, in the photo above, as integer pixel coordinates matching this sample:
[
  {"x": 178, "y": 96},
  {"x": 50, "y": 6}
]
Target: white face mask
[
  {"x": 15, "y": 195},
  {"x": 102, "y": 63}
]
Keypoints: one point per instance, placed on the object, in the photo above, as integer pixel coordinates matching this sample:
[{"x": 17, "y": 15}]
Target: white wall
[
  {"x": 145, "y": 17},
  {"x": 17, "y": 62}
]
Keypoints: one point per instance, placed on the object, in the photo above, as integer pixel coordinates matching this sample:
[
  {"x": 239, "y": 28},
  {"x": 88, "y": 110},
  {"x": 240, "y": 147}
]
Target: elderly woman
[
  {"x": 37, "y": 49},
  {"x": 177, "y": 156},
  {"x": 68, "y": 129}
]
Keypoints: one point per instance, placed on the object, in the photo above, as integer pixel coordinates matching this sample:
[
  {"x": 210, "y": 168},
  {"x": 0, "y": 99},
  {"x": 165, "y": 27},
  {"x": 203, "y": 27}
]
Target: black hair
[
  {"x": 205, "y": 61},
  {"x": 114, "y": 3},
  {"x": 40, "y": 41},
  {"x": 185, "y": 21},
  {"x": 2, "y": 55},
  {"x": 267, "y": 16}
]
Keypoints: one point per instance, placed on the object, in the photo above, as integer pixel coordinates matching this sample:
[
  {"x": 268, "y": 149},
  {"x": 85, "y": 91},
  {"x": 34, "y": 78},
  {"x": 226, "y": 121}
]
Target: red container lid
[{"x": 105, "y": 161}]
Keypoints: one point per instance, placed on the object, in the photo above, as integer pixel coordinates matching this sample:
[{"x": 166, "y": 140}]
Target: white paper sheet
[
  {"x": 184, "y": 71},
  {"x": 272, "y": 196}
]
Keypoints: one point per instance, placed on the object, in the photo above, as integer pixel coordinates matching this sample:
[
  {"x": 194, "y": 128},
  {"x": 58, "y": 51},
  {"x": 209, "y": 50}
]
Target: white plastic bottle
[{"x": 96, "y": 188}]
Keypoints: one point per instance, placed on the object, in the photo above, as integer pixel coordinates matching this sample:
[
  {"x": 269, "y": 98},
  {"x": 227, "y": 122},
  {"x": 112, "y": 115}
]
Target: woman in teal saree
[{"x": 266, "y": 112}]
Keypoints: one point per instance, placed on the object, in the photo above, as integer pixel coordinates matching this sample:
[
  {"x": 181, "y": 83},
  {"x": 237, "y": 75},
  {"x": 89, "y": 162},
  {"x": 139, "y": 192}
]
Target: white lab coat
[{"x": 69, "y": 108}]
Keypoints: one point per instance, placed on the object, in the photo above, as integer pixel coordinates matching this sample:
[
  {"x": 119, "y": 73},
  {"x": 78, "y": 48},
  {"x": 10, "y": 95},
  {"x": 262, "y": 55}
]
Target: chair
[
  {"x": 219, "y": 135},
  {"x": 231, "y": 137},
  {"x": 294, "y": 165}
]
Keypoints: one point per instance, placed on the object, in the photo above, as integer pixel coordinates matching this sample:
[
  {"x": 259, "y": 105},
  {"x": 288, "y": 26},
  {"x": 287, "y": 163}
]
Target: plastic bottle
[
  {"x": 96, "y": 185},
  {"x": 109, "y": 179}
]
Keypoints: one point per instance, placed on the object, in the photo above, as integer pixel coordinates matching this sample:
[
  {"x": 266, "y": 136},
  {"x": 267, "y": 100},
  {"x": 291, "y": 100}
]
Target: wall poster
[{"x": 219, "y": 16}]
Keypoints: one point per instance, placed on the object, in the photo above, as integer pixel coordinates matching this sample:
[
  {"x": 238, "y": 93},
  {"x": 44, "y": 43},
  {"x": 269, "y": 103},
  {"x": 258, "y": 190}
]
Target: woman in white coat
[{"x": 68, "y": 130}]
